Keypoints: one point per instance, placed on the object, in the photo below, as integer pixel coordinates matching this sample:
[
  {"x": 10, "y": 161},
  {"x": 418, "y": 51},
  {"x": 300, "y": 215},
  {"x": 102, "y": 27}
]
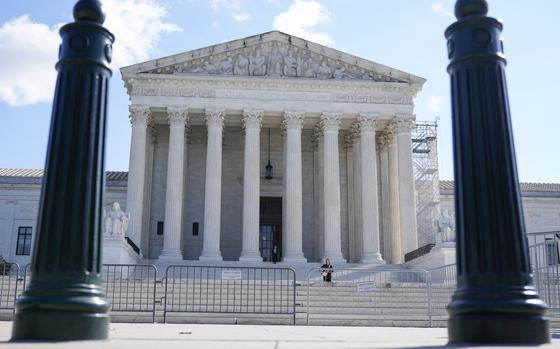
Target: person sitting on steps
[{"x": 326, "y": 271}]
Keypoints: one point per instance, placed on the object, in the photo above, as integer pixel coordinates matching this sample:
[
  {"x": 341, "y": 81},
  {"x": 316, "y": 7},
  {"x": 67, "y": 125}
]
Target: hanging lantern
[{"x": 268, "y": 167}]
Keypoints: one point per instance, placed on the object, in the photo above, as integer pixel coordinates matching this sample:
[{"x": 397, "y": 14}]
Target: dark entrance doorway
[{"x": 270, "y": 232}]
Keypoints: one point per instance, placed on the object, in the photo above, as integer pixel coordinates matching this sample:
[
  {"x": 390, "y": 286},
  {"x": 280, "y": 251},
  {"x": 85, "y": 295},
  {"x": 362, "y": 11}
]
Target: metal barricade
[
  {"x": 366, "y": 294},
  {"x": 444, "y": 283},
  {"x": 545, "y": 262},
  {"x": 25, "y": 277},
  {"x": 9, "y": 276},
  {"x": 240, "y": 290},
  {"x": 130, "y": 287}
]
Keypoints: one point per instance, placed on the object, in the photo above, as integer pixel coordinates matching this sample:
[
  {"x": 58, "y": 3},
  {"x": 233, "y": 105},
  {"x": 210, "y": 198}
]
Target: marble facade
[{"x": 198, "y": 152}]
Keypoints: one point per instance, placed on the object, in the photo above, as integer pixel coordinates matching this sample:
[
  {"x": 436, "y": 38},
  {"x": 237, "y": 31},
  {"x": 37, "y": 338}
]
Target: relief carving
[{"x": 274, "y": 59}]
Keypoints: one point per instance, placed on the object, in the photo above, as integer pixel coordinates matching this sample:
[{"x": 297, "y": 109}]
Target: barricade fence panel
[
  {"x": 545, "y": 262},
  {"x": 214, "y": 289},
  {"x": 368, "y": 294},
  {"x": 9, "y": 280},
  {"x": 129, "y": 288},
  {"x": 444, "y": 283}
]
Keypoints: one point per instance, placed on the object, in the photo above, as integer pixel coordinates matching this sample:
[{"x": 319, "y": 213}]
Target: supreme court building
[{"x": 271, "y": 140}]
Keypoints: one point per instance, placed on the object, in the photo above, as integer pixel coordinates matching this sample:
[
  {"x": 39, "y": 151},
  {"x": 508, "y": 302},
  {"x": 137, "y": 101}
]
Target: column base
[
  {"x": 334, "y": 257},
  {"x": 372, "y": 258},
  {"x": 171, "y": 255},
  {"x": 250, "y": 256},
  {"x": 498, "y": 329},
  {"x": 294, "y": 258},
  {"x": 210, "y": 256}
]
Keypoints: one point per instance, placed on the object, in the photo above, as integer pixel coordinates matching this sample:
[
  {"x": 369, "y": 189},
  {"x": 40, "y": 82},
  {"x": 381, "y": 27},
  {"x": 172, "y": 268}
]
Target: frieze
[
  {"x": 273, "y": 59},
  {"x": 319, "y": 96}
]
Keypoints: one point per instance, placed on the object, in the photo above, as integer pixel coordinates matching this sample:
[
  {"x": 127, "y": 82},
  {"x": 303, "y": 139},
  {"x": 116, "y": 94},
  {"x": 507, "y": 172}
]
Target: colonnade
[{"x": 396, "y": 226}]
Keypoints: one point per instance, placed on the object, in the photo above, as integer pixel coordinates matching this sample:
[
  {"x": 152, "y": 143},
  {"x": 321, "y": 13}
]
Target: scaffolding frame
[{"x": 426, "y": 180}]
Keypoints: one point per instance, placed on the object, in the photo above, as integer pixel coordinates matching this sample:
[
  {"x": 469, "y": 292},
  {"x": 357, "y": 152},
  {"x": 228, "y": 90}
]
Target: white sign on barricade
[
  {"x": 366, "y": 287},
  {"x": 231, "y": 274}
]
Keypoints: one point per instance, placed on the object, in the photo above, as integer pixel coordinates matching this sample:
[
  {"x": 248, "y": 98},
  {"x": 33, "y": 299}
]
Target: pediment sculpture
[{"x": 275, "y": 60}]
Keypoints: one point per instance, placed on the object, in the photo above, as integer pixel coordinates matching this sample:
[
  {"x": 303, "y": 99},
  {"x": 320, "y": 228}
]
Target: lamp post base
[
  {"x": 59, "y": 325},
  {"x": 504, "y": 328}
]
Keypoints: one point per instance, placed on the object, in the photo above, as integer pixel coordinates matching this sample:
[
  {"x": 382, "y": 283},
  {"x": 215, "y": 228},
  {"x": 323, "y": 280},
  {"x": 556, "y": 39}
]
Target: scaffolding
[{"x": 426, "y": 181}]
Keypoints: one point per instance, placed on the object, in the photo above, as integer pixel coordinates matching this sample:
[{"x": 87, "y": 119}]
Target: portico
[{"x": 337, "y": 131}]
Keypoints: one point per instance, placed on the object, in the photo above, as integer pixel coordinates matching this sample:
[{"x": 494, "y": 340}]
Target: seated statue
[
  {"x": 446, "y": 231},
  {"x": 116, "y": 221}
]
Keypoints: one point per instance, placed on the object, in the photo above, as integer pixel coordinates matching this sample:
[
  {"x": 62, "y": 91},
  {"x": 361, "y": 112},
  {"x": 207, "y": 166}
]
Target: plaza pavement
[{"x": 185, "y": 336}]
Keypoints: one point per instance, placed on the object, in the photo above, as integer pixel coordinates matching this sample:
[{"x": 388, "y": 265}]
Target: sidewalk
[{"x": 184, "y": 336}]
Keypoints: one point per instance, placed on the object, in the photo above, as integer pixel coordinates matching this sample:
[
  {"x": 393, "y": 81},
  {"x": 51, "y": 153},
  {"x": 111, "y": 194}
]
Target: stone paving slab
[{"x": 185, "y": 336}]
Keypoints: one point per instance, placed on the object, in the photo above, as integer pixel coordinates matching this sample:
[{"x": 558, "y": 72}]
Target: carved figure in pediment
[
  {"x": 212, "y": 68},
  {"x": 291, "y": 65},
  {"x": 324, "y": 71},
  {"x": 310, "y": 68},
  {"x": 241, "y": 66},
  {"x": 257, "y": 64},
  {"x": 226, "y": 67},
  {"x": 275, "y": 63},
  {"x": 340, "y": 73}
]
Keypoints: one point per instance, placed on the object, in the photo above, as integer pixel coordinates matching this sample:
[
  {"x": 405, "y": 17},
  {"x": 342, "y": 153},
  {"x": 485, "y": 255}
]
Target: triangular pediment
[{"x": 272, "y": 54}]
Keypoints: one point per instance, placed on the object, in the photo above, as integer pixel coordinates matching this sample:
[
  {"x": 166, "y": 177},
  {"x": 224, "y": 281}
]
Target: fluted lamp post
[
  {"x": 64, "y": 299},
  {"x": 495, "y": 300}
]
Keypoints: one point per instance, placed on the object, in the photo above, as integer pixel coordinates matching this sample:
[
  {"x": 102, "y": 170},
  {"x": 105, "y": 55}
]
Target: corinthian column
[
  {"x": 407, "y": 199},
  {"x": 293, "y": 122},
  {"x": 251, "y": 186},
  {"x": 140, "y": 117},
  {"x": 370, "y": 210},
  {"x": 213, "y": 187},
  {"x": 382, "y": 148},
  {"x": 395, "y": 237},
  {"x": 174, "y": 187},
  {"x": 330, "y": 123}
]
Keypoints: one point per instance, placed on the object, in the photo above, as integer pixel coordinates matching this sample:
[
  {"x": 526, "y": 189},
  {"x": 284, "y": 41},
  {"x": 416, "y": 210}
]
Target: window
[
  {"x": 159, "y": 228},
  {"x": 195, "y": 228},
  {"x": 23, "y": 247}
]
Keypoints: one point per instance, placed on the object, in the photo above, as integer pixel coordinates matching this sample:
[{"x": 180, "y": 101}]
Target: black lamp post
[
  {"x": 64, "y": 299},
  {"x": 495, "y": 300}
]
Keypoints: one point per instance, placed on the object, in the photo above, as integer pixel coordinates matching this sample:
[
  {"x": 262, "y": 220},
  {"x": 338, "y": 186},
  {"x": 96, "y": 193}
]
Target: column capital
[
  {"x": 293, "y": 120},
  {"x": 368, "y": 122},
  {"x": 330, "y": 121},
  {"x": 355, "y": 132},
  {"x": 403, "y": 125},
  {"x": 348, "y": 140},
  {"x": 140, "y": 114},
  {"x": 383, "y": 139},
  {"x": 252, "y": 119},
  {"x": 177, "y": 116},
  {"x": 215, "y": 117},
  {"x": 153, "y": 134}
]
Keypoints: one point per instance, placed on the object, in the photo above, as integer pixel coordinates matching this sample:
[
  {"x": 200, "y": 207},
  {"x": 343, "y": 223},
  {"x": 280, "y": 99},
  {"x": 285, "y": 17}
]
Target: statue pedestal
[
  {"x": 442, "y": 254},
  {"x": 117, "y": 251}
]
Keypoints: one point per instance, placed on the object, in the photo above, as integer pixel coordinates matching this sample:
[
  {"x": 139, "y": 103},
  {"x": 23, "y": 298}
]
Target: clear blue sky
[{"x": 405, "y": 34}]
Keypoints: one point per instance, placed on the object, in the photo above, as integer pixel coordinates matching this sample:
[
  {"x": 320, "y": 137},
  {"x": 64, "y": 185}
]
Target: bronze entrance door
[{"x": 270, "y": 232}]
